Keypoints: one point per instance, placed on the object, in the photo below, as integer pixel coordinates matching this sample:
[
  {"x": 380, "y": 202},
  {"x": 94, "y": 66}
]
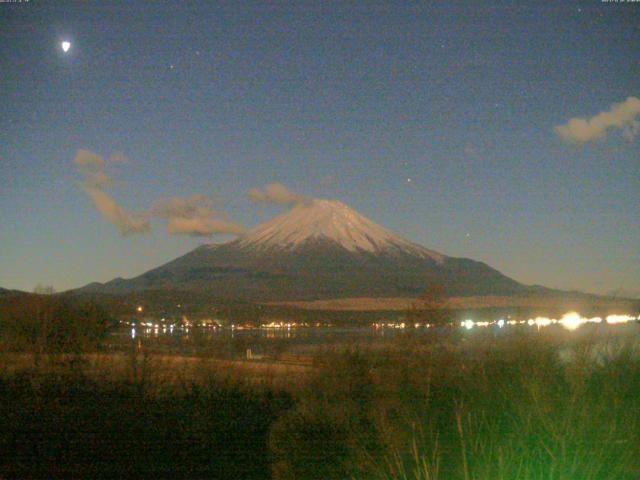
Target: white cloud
[
  {"x": 276, "y": 193},
  {"x": 194, "y": 215},
  {"x": 89, "y": 161},
  {"x": 620, "y": 115},
  {"x": 202, "y": 226},
  {"x": 127, "y": 222},
  {"x": 92, "y": 165}
]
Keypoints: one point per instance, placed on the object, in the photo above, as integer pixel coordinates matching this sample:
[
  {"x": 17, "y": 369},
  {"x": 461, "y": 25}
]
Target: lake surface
[{"x": 239, "y": 342}]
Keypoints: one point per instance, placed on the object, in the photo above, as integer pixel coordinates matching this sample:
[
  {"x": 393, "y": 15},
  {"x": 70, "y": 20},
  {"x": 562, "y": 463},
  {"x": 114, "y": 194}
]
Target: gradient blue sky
[{"x": 341, "y": 100}]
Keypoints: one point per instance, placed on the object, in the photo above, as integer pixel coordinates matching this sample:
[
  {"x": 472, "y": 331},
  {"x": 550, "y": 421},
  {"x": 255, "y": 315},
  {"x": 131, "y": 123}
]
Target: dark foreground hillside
[
  {"x": 72, "y": 426},
  {"x": 518, "y": 405},
  {"x": 438, "y": 404}
]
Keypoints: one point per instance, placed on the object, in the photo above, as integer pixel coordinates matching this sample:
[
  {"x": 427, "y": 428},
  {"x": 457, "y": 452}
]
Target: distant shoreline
[{"x": 458, "y": 303}]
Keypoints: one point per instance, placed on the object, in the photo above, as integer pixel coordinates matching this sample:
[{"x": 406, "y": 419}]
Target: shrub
[
  {"x": 74, "y": 426},
  {"x": 498, "y": 408},
  {"x": 50, "y": 324}
]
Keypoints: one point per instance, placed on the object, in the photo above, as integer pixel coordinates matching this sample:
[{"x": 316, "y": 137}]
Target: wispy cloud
[
  {"x": 127, "y": 222},
  {"x": 621, "y": 115},
  {"x": 89, "y": 161},
  {"x": 92, "y": 165},
  {"x": 202, "y": 226},
  {"x": 193, "y": 215},
  {"x": 276, "y": 193}
]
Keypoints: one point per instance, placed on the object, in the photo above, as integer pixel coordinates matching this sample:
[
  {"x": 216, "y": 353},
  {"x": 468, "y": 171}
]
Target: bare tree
[
  {"x": 41, "y": 289},
  {"x": 430, "y": 308}
]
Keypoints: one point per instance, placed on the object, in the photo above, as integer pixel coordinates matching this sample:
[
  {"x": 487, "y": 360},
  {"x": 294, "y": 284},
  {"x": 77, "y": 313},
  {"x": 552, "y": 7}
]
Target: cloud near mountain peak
[
  {"x": 278, "y": 194},
  {"x": 192, "y": 215}
]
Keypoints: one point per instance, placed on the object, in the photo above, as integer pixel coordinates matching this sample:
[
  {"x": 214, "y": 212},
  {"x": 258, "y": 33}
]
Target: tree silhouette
[{"x": 430, "y": 308}]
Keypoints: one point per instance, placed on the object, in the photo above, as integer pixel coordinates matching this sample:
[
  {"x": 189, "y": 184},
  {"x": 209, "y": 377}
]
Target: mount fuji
[{"x": 319, "y": 249}]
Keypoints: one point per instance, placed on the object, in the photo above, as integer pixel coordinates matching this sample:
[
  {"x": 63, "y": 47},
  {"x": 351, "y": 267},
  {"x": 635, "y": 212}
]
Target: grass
[
  {"x": 86, "y": 419},
  {"x": 519, "y": 405}
]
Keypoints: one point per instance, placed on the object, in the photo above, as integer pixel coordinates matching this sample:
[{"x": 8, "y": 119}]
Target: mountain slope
[
  {"x": 4, "y": 292},
  {"x": 331, "y": 221},
  {"x": 318, "y": 249}
]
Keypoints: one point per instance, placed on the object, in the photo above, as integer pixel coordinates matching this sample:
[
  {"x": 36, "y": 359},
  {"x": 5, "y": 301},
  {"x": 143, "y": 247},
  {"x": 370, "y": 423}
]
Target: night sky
[{"x": 451, "y": 125}]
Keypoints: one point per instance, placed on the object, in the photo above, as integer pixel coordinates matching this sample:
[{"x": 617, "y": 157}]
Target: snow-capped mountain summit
[
  {"x": 319, "y": 249},
  {"x": 333, "y": 221}
]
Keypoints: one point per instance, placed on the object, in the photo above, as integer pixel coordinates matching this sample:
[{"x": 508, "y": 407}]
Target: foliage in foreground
[
  {"x": 515, "y": 408},
  {"x": 51, "y": 324},
  {"x": 512, "y": 407},
  {"x": 65, "y": 424}
]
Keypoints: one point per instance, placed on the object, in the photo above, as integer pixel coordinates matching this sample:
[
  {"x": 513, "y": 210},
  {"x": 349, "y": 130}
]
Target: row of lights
[{"x": 570, "y": 321}]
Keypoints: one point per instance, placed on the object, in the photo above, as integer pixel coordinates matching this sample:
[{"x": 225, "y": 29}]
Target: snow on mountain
[
  {"x": 334, "y": 221},
  {"x": 319, "y": 249}
]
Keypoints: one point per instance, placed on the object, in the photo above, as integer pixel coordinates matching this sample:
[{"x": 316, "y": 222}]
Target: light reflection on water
[
  {"x": 327, "y": 334},
  {"x": 271, "y": 343},
  {"x": 269, "y": 333}
]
